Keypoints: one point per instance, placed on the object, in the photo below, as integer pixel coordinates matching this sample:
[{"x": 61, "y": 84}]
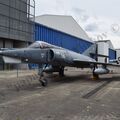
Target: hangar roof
[
  {"x": 65, "y": 24},
  {"x": 109, "y": 42}
]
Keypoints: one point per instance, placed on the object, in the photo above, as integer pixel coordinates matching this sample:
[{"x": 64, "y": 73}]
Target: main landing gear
[
  {"x": 95, "y": 76},
  {"x": 61, "y": 71}
]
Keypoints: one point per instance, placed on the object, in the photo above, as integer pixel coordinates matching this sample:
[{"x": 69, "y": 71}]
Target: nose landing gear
[{"x": 42, "y": 80}]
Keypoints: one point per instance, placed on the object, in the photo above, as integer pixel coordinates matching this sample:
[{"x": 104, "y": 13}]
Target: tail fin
[{"x": 91, "y": 51}]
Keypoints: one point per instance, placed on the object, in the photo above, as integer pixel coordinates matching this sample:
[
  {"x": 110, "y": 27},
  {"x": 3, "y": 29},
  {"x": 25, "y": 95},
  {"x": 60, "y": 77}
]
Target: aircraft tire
[
  {"x": 118, "y": 58},
  {"x": 95, "y": 76},
  {"x": 44, "y": 82}
]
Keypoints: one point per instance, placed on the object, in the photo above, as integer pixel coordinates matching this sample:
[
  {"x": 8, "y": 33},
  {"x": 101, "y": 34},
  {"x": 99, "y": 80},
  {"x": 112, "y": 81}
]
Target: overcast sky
[{"x": 99, "y": 18}]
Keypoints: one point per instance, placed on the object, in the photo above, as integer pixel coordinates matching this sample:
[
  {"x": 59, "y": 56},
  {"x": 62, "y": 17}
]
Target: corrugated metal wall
[
  {"x": 112, "y": 54},
  {"x": 60, "y": 39}
]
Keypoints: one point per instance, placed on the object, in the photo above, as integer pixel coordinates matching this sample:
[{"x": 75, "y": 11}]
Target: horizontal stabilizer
[{"x": 11, "y": 60}]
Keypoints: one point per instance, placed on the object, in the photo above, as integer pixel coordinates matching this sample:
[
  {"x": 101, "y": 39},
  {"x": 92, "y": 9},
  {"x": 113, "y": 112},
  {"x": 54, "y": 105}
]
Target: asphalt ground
[{"x": 73, "y": 97}]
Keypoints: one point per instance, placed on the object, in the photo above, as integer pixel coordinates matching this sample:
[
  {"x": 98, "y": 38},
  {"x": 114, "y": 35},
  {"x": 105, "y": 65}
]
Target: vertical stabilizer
[{"x": 91, "y": 51}]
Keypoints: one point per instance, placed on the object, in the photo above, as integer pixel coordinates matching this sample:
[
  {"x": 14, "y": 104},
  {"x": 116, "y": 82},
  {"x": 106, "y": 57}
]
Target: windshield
[
  {"x": 34, "y": 45},
  {"x": 41, "y": 44}
]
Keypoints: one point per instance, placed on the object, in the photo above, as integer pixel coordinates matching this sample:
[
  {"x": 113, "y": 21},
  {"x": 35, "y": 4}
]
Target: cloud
[
  {"x": 91, "y": 27},
  {"x": 78, "y": 10}
]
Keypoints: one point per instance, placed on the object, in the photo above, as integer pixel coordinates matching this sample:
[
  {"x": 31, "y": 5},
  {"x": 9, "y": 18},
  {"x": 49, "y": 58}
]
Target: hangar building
[{"x": 62, "y": 31}]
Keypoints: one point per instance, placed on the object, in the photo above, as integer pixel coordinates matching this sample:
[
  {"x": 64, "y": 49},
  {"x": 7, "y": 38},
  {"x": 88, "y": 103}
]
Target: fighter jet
[{"x": 51, "y": 58}]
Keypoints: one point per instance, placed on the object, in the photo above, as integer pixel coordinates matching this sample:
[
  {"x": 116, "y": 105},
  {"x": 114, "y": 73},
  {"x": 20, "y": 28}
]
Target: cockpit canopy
[{"x": 41, "y": 45}]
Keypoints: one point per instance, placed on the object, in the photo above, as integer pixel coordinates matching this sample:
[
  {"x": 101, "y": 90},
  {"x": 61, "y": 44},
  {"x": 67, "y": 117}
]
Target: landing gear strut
[
  {"x": 61, "y": 71},
  {"x": 95, "y": 76},
  {"x": 43, "y": 81}
]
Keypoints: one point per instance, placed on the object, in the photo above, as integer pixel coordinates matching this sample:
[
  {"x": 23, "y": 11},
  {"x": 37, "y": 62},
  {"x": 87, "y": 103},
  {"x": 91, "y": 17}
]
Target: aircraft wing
[{"x": 80, "y": 63}]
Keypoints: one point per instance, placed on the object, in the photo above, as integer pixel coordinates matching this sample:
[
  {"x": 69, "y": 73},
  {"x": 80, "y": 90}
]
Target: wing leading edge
[{"x": 80, "y": 63}]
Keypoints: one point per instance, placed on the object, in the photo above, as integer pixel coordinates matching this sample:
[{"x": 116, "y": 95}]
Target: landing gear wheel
[
  {"x": 95, "y": 76},
  {"x": 44, "y": 82}
]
